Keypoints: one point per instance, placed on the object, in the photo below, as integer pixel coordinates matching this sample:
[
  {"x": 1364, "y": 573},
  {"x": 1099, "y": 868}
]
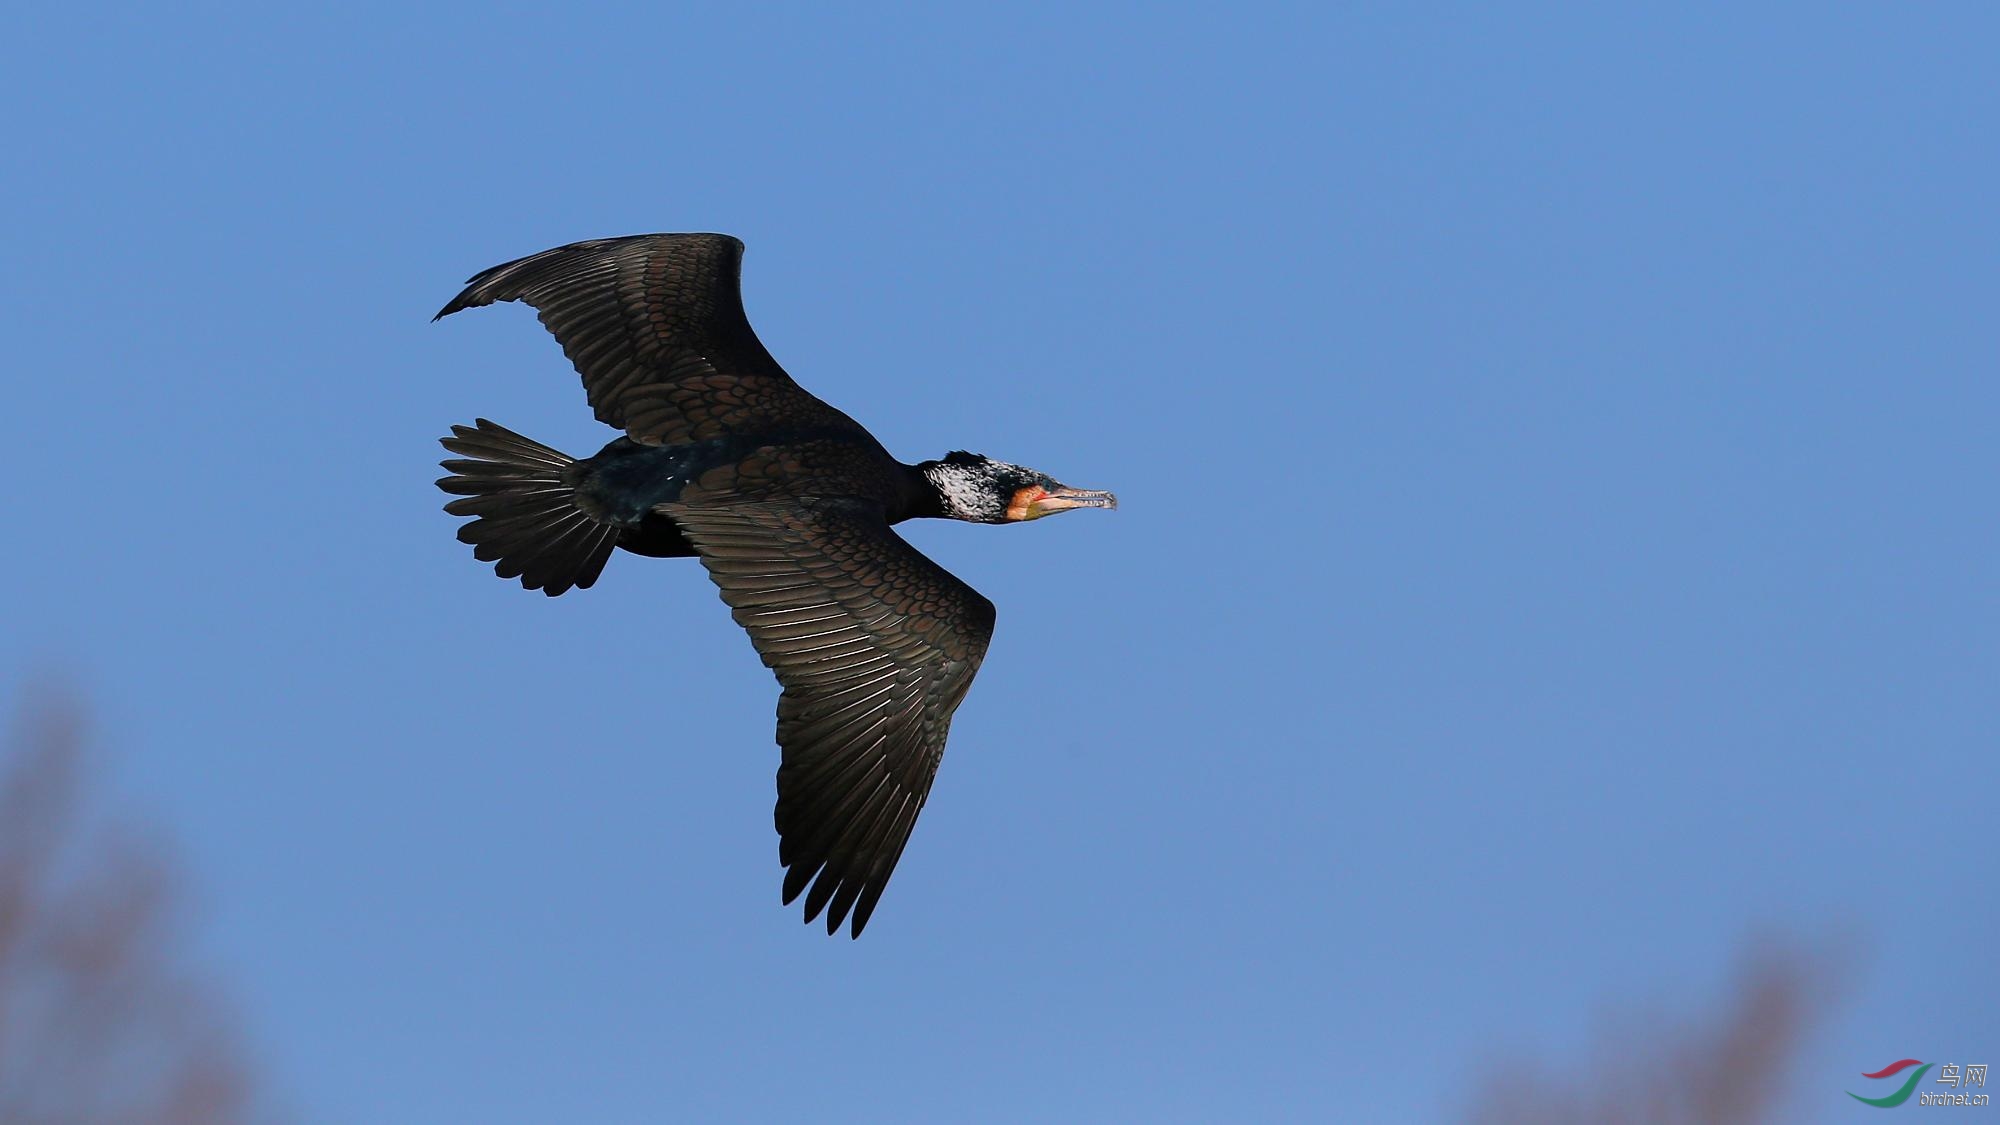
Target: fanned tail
[{"x": 528, "y": 524}]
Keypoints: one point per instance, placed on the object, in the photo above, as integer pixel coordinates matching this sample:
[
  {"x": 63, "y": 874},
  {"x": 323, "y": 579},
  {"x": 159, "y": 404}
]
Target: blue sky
[{"x": 1556, "y": 452}]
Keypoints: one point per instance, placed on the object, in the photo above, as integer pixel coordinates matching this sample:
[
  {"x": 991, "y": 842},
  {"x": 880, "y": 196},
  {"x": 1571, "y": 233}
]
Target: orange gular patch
[{"x": 1019, "y": 508}]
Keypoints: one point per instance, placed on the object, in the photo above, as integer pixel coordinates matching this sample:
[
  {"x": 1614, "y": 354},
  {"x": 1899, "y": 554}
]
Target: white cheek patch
[{"x": 962, "y": 491}]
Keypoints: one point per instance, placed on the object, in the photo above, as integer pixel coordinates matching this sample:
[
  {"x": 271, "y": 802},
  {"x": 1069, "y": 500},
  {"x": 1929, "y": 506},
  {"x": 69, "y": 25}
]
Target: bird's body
[{"x": 787, "y": 502}]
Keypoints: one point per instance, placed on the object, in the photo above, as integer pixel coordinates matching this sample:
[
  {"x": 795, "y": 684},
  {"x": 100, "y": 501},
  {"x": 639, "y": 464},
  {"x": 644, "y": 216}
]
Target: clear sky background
[{"x": 1557, "y": 454}]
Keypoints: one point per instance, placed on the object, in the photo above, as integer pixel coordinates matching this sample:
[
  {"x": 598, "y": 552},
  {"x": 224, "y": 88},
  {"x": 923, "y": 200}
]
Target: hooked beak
[{"x": 1033, "y": 504}]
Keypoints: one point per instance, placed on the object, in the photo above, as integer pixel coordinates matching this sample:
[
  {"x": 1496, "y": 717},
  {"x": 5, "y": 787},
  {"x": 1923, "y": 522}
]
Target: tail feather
[{"x": 527, "y": 522}]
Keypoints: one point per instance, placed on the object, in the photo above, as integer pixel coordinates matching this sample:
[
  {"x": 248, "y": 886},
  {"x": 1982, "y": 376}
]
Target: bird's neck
[{"x": 920, "y": 497}]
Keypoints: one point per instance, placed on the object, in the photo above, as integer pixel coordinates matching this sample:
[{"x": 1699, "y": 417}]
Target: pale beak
[{"x": 1063, "y": 499}]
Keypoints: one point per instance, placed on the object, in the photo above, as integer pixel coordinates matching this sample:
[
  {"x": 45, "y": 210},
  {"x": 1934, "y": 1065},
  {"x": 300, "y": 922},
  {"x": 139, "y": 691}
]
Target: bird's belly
[{"x": 627, "y": 480}]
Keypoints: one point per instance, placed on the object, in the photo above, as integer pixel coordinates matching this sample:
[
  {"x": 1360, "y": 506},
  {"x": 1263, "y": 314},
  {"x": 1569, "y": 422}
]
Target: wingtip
[
  {"x": 467, "y": 297},
  {"x": 833, "y": 918}
]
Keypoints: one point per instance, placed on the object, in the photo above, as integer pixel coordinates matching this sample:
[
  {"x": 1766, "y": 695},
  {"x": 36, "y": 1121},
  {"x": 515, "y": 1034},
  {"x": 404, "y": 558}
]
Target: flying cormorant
[{"x": 787, "y": 502}]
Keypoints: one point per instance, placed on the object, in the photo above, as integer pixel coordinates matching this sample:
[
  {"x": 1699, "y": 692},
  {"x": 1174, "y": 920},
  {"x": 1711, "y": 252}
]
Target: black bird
[{"x": 787, "y": 502}]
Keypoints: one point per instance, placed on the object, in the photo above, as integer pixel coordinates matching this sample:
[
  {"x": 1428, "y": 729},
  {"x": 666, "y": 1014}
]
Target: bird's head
[{"x": 979, "y": 489}]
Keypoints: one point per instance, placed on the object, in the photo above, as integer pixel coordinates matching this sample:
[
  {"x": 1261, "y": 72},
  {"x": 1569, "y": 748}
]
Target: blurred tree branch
[
  {"x": 98, "y": 1024},
  {"x": 1730, "y": 1071}
]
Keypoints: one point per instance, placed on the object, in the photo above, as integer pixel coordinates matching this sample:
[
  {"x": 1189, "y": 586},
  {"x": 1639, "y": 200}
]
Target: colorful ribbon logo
[{"x": 1900, "y": 1096}]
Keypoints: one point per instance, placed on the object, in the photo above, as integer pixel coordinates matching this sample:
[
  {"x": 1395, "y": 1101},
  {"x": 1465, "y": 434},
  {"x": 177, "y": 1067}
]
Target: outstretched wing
[
  {"x": 654, "y": 323},
  {"x": 875, "y": 646}
]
